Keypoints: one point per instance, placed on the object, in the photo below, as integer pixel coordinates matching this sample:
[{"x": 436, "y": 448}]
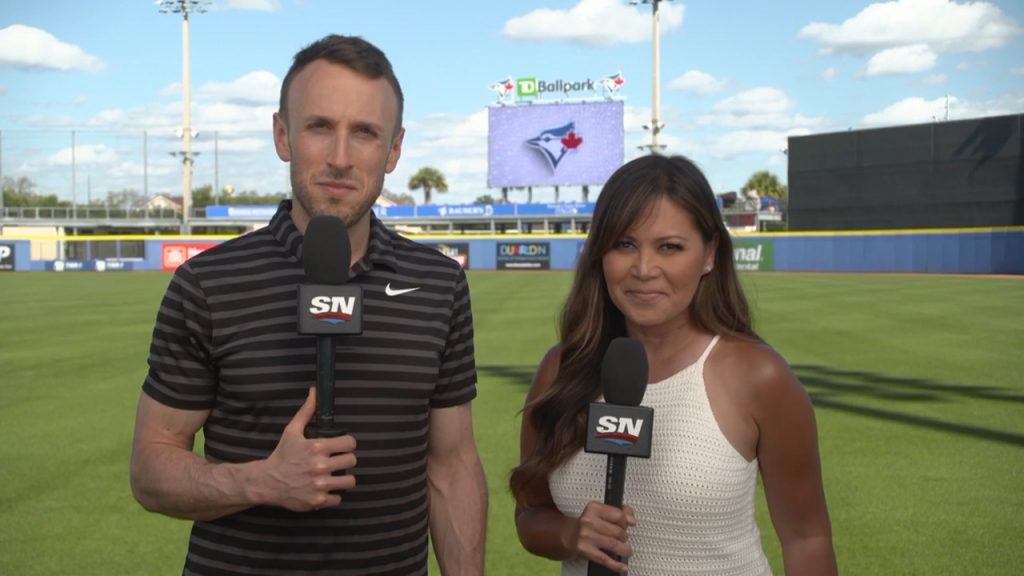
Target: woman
[{"x": 658, "y": 267}]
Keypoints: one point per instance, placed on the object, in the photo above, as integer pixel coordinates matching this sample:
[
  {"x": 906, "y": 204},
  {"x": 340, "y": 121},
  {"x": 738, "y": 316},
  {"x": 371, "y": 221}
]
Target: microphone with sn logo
[
  {"x": 327, "y": 307},
  {"x": 619, "y": 426}
]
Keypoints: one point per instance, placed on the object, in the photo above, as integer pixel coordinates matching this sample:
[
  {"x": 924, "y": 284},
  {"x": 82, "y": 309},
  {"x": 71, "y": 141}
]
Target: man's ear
[
  {"x": 284, "y": 150},
  {"x": 396, "y": 151}
]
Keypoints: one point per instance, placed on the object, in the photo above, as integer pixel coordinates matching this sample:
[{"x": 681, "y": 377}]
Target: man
[{"x": 226, "y": 358}]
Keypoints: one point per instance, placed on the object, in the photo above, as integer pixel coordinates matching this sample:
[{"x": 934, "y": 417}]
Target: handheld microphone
[
  {"x": 619, "y": 426},
  {"x": 327, "y": 307}
]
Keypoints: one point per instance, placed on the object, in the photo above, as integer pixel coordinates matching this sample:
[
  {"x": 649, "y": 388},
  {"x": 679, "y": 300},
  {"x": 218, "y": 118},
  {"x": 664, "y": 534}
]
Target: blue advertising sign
[
  {"x": 523, "y": 255},
  {"x": 258, "y": 212},
  {"x": 561, "y": 209},
  {"x": 455, "y": 211}
]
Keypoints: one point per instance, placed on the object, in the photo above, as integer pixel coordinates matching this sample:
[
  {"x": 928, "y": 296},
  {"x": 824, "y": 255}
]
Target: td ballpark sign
[
  {"x": 527, "y": 87},
  {"x": 534, "y": 87}
]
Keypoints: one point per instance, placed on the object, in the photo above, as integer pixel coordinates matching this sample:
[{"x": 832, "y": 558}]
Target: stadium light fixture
[{"x": 185, "y": 7}]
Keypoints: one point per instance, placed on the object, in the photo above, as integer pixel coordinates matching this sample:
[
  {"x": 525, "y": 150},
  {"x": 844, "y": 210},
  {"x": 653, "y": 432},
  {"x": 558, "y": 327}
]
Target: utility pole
[
  {"x": 185, "y": 7},
  {"x": 655, "y": 126}
]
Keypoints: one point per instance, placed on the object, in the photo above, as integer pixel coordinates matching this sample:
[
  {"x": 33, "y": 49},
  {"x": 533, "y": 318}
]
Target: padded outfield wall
[
  {"x": 981, "y": 251},
  {"x": 958, "y": 174}
]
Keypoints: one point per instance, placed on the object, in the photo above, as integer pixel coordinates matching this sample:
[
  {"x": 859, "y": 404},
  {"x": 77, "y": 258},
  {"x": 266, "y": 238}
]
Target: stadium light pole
[
  {"x": 656, "y": 125},
  {"x": 185, "y": 7}
]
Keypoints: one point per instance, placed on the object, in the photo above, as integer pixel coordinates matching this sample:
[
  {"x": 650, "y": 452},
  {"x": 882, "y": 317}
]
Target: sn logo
[
  {"x": 332, "y": 305},
  {"x": 619, "y": 430},
  {"x": 332, "y": 309}
]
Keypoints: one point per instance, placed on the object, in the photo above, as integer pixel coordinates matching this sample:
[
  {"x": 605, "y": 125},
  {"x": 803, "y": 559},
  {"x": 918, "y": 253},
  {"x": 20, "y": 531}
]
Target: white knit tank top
[{"x": 694, "y": 497}]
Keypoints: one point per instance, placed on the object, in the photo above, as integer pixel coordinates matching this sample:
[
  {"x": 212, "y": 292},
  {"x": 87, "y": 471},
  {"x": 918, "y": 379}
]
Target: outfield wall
[{"x": 976, "y": 251}]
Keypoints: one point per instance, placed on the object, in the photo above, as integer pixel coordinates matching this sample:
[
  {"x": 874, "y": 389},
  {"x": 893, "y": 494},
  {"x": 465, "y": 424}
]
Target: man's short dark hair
[{"x": 351, "y": 52}]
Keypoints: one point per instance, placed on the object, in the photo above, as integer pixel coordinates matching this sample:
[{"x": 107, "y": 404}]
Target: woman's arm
[
  {"x": 787, "y": 452},
  {"x": 543, "y": 529}
]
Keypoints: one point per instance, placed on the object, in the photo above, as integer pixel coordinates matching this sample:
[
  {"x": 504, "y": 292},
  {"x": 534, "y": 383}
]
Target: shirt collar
[{"x": 380, "y": 250}]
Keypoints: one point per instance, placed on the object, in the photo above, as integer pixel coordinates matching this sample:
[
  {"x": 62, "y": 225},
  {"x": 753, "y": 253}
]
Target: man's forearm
[
  {"x": 180, "y": 483},
  {"x": 458, "y": 519}
]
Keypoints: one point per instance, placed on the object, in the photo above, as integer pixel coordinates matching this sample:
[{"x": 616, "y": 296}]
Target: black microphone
[
  {"x": 327, "y": 307},
  {"x": 619, "y": 426}
]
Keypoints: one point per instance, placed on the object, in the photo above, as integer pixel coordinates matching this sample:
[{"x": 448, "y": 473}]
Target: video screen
[{"x": 554, "y": 144}]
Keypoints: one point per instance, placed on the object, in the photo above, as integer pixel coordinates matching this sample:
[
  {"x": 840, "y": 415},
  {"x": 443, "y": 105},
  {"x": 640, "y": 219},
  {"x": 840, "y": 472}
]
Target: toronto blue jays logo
[
  {"x": 612, "y": 84},
  {"x": 554, "y": 143},
  {"x": 503, "y": 88}
]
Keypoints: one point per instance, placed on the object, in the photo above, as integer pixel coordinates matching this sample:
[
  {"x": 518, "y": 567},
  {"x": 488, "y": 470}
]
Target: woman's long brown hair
[{"x": 590, "y": 320}]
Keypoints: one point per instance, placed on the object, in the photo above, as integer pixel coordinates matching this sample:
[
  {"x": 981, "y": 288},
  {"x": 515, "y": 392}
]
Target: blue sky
[{"x": 737, "y": 78}]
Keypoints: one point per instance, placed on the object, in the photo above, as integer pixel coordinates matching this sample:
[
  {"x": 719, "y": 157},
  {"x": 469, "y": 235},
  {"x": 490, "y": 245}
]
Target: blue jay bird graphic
[{"x": 555, "y": 142}]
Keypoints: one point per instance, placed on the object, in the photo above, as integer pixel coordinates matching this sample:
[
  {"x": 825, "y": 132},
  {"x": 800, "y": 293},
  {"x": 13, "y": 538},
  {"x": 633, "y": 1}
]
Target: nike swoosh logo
[{"x": 396, "y": 292}]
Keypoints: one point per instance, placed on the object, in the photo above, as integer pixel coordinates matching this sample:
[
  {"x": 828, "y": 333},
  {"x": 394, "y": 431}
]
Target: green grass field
[{"x": 917, "y": 382}]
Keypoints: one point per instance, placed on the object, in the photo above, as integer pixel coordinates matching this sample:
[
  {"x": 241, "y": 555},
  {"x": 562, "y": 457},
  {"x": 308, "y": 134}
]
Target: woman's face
[{"x": 653, "y": 270}]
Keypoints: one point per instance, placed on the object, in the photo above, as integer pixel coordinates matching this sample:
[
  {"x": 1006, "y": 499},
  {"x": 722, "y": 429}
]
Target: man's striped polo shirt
[{"x": 226, "y": 341}]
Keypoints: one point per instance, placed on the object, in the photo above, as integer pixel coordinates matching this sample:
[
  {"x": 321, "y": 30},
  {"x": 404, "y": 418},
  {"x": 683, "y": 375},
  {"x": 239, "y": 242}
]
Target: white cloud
[
  {"x": 901, "y": 60},
  {"x": 944, "y": 25},
  {"x": 84, "y": 155},
  {"x": 634, "y": 118},
  {"x": 732, "y": 144},
  {"x": 30, "y": 48},
  {"x": 227, "y": 117},
  {"x": 229, "y": 144},
  {"x": 697, "y": 82},
  {"x": 829, "y": 74},
  {"x": 173, "y": 89},
  {"x": 756, "y": 101},
  {"x": 3, "y": 90},
  {"x": 935, "y": 80},
  {"x": 259, "y": 87},
  {"x": 454, "y": 144},
  {"x": 594, "y": 23},
  {"x": 975, "y": 64},
  {"x": 758, "y": 108},
  {"x": 914, "y": 110},
  {"x": 1018, "y": 71},
  {"x": 259, "y": 5}
]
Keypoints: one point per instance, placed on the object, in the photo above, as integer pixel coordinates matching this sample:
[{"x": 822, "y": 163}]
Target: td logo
[{"x": 526, "y": 87}]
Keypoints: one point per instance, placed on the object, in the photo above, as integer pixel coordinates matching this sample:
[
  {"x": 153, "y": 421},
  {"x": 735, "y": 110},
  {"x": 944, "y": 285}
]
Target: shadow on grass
[
  {"x": 827, "y": 387},
  {"x": 837, "y": 389},
  {"x": 517, "y": 374}
]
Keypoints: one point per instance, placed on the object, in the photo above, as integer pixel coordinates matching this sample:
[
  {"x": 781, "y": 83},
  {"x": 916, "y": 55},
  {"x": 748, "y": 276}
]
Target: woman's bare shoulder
[{"x": 753, "y": 364}]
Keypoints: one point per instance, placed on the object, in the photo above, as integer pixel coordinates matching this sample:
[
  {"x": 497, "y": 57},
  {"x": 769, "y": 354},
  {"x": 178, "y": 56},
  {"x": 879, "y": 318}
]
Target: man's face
[{"x": 340, "y": 132}]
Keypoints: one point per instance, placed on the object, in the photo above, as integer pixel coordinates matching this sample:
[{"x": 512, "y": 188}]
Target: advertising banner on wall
[
  {"x": 458, "y": 251},
  {"x": 174, "y": 254},
  {"x": 524, "y": 255},
  {"x": 92, "y": 265},
  {"x": 6, "y": 257},
  {"x": 554, "y": 144},
  {"x": 754, "y": 255}
]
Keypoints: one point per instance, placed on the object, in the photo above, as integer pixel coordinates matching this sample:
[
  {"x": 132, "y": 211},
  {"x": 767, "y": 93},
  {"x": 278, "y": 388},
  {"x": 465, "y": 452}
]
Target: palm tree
[
  {"x": 766, "y": 184},
  {"x": 430, "y": 179},
  {"x": 586, "y": 193}
]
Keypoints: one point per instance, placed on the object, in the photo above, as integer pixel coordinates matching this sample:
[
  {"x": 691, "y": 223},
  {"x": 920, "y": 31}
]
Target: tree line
[{"x": 22, "y": 192}]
